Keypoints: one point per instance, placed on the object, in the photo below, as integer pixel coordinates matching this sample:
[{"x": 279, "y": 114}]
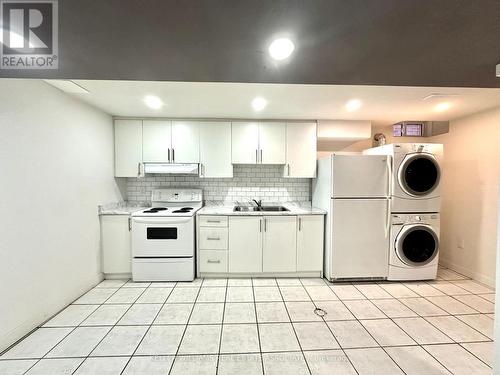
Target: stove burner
[
  {"x": 153, "y": 210},
  {"x": 182, "y": 211},
  {"x": 187, "y": 208}
]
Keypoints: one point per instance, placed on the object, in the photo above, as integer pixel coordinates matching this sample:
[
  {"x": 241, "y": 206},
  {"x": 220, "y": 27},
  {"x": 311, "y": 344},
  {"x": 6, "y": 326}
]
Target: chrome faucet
[{"x": 258, "y": 202}]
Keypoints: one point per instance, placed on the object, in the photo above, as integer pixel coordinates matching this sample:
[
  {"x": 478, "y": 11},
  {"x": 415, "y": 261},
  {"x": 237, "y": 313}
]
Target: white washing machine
[
  {"x": 415, "y": 175},
  {"x": 414, "y": 247}
]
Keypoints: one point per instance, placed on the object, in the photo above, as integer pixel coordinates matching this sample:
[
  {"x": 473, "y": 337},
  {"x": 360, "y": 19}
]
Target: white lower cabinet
[
  {"x": 245, "y": 244},
  {"x": 116, "y": 244},
  {"x": 213, "y": 238},
  {"x": 213, "y": 261},
  {"x": 310, "y": 242},
  {"x": 252, "y": 245},
  {"x": 280, "y": 244}
]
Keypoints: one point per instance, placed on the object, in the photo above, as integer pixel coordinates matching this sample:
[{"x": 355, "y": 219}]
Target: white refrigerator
[{"x": 354, "y": 190}]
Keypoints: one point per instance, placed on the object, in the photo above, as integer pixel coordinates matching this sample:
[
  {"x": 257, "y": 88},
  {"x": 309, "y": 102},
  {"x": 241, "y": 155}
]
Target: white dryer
[
  {"x": 415, "y": 175},
  {"x": 414, "y": 247}
]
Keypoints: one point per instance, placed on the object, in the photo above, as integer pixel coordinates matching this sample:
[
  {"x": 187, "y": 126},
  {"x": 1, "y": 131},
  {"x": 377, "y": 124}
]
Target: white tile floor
[{"x": 266, "y": 326}]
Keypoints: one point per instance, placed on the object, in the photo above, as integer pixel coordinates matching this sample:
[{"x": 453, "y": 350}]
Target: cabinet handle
[
  {"x": 265, "y": 225},
  {"x": 169, "y": 155},
  {"x": 213, "y": 261},
  {"x": 173, "y": 156},
  {"x": 261, "y": 156},
  {"x": 213, "y": 238},
  {"x": 129, "y": 224},
  {"x": 256, "y": 156},
  {"x": 288, "y": 170},
  {"x": 213, "y": 221},
  {"x": 139, "y": 169},
  {"x": 260, "y": 225},
  {"x": 300, "y": 224}
]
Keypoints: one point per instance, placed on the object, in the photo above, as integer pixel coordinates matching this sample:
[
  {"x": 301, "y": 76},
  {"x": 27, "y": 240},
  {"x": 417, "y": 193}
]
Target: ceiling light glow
[
  {"x": 153, "y": 102},
  {"x": 353, "y": 105},
  {"x": 281, "y": 48},
  {"x": 441, "y": 107},
  {"x": 258, "y": 104}
]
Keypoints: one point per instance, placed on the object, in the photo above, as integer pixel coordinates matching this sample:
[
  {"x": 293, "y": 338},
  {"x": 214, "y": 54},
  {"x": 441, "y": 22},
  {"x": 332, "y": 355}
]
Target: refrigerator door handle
[
  {"x": 387, "y": 225},
  {"x": 389, "y": 175}
]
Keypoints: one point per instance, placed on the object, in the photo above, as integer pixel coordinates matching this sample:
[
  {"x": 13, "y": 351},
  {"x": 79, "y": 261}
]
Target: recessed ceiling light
[
  {"x": 353, "y": 105},
  {"x": 281, "y": 48},
  {"x": 441, "y": 107},
  {"x": 153, "y": 102},
  {"x": 258, "y": 104}
]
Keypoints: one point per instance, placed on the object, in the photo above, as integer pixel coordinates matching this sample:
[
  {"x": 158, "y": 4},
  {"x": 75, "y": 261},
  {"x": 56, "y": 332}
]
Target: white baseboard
[{"x": 487, "y": 280}]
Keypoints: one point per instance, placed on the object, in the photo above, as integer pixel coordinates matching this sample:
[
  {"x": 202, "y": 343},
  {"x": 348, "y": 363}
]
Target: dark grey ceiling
[{"x": 381, "y": 42}]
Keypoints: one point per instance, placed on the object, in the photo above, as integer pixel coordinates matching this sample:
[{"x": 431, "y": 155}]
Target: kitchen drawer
[
  {"x": 213, "y": 261},
  {"x": 213, "y": 238},
  {"x": 212, "y": 221}
]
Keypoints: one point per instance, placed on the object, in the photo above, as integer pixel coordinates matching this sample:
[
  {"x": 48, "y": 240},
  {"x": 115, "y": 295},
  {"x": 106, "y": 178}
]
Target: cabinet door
[
  {"x": 301, "y": 149},
  {"x": 215, "y": 149},
  {"x": 116, "y": 247},
  {"x": 156, "y": 141},
  {"x": 245, "y": 142},
  {"x": 185, "y": 142},
  {"x": 310, "y": 229},
  {"x": 245, "y": 244},
  {"x": 128, "y": 148},
  {"x": 280, "y": 244},
  {"x": 272, "y": 138}
]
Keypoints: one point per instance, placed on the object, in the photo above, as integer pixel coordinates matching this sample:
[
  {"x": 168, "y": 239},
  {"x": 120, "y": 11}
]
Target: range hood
[{"x": 171, "y": 168}]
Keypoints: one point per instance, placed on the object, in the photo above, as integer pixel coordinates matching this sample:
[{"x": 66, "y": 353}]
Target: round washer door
[
  {"x": 419, "y": 174},
  {"x": 417, "y": 245}
]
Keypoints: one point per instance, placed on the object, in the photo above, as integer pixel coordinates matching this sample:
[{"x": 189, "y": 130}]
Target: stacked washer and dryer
[{"x": 415, "y": 202}]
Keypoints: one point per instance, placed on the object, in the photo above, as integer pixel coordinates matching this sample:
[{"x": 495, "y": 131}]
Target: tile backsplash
[{"x": 249, "y": 181}]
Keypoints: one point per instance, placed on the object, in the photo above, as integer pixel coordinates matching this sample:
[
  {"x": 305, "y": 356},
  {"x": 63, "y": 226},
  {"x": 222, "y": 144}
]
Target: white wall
[
  {"x": 471, "y": 186},
  {"x": 56, "y": 163}
]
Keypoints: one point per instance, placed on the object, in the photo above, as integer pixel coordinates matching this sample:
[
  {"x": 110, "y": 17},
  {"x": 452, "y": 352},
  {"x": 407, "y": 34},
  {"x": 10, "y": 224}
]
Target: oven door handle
[{"x": 161, "y": 220}]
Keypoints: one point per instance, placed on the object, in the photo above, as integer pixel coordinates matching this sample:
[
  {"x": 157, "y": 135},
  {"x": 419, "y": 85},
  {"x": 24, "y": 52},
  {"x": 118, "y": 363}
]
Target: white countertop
[
  {"x": 295, "y": 208},
  {"x": 121, "y": 208}
]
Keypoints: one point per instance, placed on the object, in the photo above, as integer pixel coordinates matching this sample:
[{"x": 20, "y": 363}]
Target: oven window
[{"x": 162, "y": 233}]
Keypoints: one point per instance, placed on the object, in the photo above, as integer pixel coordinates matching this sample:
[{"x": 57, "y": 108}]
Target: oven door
[{"x": 162, "y": 237}]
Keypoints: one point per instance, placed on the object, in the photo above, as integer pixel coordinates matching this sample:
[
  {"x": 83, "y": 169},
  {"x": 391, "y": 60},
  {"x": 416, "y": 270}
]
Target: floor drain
[{"x": 320, "y": 312}]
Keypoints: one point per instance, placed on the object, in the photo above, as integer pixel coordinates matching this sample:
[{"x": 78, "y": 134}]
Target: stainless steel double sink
[{"x": 260, "y": 209}]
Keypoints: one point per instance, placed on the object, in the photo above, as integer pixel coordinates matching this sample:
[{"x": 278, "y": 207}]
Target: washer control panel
[{"x": 399, "y": 219}]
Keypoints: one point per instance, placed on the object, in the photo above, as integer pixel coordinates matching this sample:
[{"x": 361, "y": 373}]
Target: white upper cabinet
[
  {"x": 245, "y": 142},
  {"x": 258, "y": 143},
  {"x": 128, "y": 148},
  {"x": 157, "y": 137},
  {"x": 215, "y": 149},
  {"x": 301, "y": 143},
  {"x": 272, "y": 140},
  {"x": 185, "y": 142}
]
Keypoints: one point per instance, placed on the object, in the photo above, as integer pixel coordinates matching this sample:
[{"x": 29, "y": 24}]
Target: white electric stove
[{"x": 163, "y": 236}]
